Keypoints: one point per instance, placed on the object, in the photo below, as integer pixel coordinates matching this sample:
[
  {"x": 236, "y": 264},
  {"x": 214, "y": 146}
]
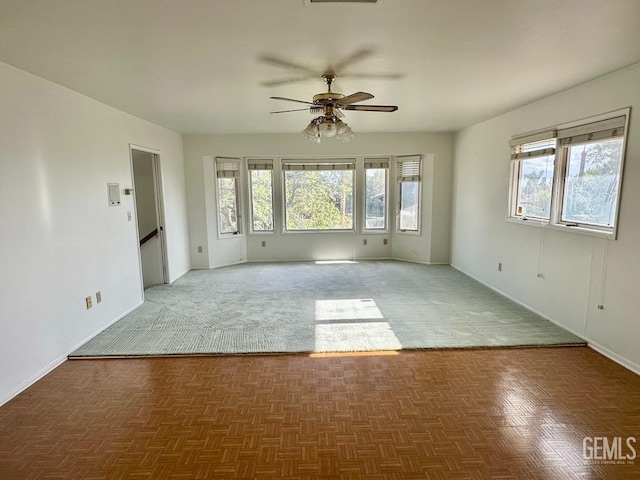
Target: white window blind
[
  {"x": 376, "y": 163},
  {"x": 409, "y": 168},
  {"x": 227, "y": 167},
  {"x": 602, "y": 130},
  {"x": 260, "y": 164},
  {"x": 318, "y": 166},
  {"x": 539, "y": 144}
]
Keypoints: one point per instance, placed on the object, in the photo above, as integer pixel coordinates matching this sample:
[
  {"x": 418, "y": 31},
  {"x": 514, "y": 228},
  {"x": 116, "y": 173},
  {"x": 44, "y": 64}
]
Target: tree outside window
[
  {"x": 318, "y": 199},
  {"x": 262, "y": 200},
  {"x": 591, "y": 183}
]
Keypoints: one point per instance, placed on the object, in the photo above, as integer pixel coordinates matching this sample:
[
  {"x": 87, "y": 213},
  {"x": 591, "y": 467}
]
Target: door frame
[{"x": 159, "y": 203}]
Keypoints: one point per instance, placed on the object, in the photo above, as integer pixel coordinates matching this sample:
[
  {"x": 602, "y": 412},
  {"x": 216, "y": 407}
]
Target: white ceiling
[{"x": 197, "y": 66}]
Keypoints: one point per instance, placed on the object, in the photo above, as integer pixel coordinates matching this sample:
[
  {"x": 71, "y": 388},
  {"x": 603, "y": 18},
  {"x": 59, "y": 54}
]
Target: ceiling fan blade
[
  {"x": 373, "y": 76},
  {"x": 356, "y": 56},
  {"x": 294, "y": 110},
  {"x": 371, "y": 108},
  {"x": 279, "y": 62},
  {"x": 291, "y": 100},
  {"x": 353, "y": 98},
  {"x": 283, "y": 81}
]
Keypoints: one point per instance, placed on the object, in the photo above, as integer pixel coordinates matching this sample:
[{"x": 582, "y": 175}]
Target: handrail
[{"x": 149, "y": 237}]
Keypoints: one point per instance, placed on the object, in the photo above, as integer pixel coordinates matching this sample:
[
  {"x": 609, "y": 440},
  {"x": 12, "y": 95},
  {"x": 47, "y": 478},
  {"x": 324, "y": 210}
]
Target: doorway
[{"x": 147, "y": 191}]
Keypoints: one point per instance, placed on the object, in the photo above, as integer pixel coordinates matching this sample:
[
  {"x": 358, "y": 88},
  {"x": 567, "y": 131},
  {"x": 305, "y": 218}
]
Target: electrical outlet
[
  {"x": 364, "y": 241},
  {"x": 264, "y": 244},
  {"x": 89, "y": 302},
  {"x": 385, "y": 241},
  {"x": 499, "y": 266},
  {"x": 98, "y": 296},
  {"x": 199, "y": 248}
]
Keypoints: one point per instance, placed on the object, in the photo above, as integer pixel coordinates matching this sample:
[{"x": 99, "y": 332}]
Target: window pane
[
  {"x": 534, "y": 187},
  {"x": 228, "y": 205},
  {"x": 318, "y": 199},
  {"x": 591, "y": 183},
  {"x": 262, "y": 200},
  {"x": 375, "y": 200},
  {"x": 409, "y": 206}
]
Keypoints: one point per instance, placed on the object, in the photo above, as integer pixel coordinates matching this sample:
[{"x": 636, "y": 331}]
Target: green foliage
[
  {"x": 592, "y": 182},
  {"x": 262, "y": 200},
  {"x": 227, "y": 204},
  {"x": 591, "y": 185},
  {"x": 536, "y": 190},
  {"x": 376, "y": 179},
  {"x": 319, "y": 200}
]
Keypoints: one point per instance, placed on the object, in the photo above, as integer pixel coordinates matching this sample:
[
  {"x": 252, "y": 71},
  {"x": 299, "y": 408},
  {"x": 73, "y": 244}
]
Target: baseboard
[
  {"x": 356, "y": 259},
  {"x": 373, "y": 259},
  {"x": 181, "y": 275},
  {"x": 289, "y": 260},
  {"x": 522, "y": 304},
  {"x": 620, "y": 360},
  {"x": 32, "y": 379},
  {"x": 78, "y": 345},
  {"x": 57, "y": 362},
  {"x": 409, "y": 260},
  {"x": 227, "y": 265},
  {"x": 634, "y": 367}
]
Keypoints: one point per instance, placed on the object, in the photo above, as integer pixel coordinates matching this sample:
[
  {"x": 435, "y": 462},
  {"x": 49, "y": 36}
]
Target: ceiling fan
[
  {"x": 330, "y": 105},
  {"x": 301, "y": 72}
]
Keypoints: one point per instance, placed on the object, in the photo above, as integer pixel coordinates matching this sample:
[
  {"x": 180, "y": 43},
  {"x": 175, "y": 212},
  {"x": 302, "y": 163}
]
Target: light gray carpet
[{"x": 305, "y": 307}]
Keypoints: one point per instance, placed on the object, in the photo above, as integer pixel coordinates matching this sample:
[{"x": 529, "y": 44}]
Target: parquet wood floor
[{"x": 472, "y": 414}]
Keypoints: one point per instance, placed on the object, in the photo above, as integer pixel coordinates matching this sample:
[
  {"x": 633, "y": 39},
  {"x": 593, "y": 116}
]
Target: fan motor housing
[{"x": 326, "y": 97}]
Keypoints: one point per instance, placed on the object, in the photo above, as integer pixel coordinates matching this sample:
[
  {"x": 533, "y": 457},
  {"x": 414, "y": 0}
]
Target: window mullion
[{"x": 557, "y": 191}]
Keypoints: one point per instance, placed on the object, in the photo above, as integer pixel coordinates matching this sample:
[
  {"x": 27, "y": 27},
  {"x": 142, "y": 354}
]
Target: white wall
[
  {"x": 431, "y": 246},
  {"x": 574, "y": 281},
  {"x": 60, "y": 241}
]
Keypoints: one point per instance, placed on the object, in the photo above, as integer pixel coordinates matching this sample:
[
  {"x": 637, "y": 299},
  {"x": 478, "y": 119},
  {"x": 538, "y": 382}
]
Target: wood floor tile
[{"x": 473, "y": 414}]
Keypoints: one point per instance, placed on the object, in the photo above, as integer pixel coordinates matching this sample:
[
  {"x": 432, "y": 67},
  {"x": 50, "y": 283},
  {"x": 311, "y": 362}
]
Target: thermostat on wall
[{"x": 114, "y": 194}]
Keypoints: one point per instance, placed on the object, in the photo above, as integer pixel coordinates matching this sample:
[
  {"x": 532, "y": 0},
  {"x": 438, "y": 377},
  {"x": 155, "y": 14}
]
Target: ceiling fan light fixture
[
  {"x": 312, "y": 132},
  {"x": 341, "y": 127},
  {"x": 346, "y": 135},
  {"x": 328, "y": 127}
]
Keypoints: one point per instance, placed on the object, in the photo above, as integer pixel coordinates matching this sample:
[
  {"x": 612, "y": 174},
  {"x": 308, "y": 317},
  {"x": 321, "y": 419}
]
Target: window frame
[
  {"x": 399, "y": 160},
  {"x": 376, "y": 161},
  {"x": 587, "y": 127},
  {"x": 317, "y": 161},
  {"x": 264, "y": 162},
  {"x": 238, "y": 196},
  {"x": 519, "y": 154}
]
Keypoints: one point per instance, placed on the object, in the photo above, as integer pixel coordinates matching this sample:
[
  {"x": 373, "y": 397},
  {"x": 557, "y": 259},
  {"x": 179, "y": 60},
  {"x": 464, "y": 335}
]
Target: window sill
[
  {"x": 408, "y": 232},
  {"x": 226, "y": 236},
  {"x": 562, "y": 228},
  {"x": 530, "y": 222},
  {"x": 307, "y": 232}
]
